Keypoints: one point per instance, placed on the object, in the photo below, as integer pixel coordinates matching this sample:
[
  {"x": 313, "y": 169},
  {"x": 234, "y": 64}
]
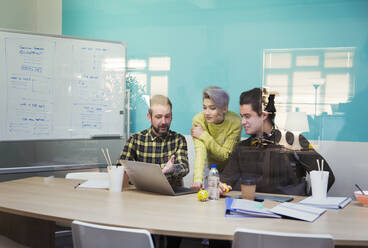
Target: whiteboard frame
[{"x": 125, "y": 109}]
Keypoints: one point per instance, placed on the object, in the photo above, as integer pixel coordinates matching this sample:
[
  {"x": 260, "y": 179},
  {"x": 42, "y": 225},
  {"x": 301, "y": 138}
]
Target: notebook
[
  {"x": 329, "y": 202},
  {"x": 149, "y": 177}
]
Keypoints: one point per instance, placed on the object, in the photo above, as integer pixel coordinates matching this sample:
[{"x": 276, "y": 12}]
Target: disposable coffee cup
[
  {"x": 319, "y": 181},
  {"x": 248, "y": 188},
  {"x": 116, "y": 175}
]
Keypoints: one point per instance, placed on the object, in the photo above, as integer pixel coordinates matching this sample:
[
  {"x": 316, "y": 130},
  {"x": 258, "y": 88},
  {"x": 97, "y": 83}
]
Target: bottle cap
[{"x": 213, "y": 166}]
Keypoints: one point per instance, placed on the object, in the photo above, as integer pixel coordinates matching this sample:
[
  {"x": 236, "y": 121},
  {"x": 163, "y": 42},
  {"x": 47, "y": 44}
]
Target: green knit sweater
[{"x": 216, "y": 143}]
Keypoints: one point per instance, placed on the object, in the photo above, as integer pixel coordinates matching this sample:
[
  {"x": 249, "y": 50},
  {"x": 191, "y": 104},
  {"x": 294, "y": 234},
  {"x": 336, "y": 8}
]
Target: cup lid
[{"x": 248, "y": 180}]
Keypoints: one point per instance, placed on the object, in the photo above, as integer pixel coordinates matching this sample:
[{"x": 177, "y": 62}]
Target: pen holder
[
  {"x": 319, "y": 181},
  {"x": 116, "y": 177}
]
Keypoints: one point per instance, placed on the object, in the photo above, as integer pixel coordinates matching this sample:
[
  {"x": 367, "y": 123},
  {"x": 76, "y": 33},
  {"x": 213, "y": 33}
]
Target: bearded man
[{"x": 158, "y": 144}]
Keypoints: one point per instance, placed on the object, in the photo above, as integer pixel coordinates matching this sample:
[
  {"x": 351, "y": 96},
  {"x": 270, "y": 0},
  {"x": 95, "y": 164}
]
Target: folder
[{"x": 246, "y": 208}]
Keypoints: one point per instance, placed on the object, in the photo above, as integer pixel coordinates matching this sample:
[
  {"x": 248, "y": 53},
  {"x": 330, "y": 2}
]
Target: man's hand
[
  {"x": 197, "y": 185},
  {"x": 169, "y": 167},
  {"x": 196, "y": 131}
]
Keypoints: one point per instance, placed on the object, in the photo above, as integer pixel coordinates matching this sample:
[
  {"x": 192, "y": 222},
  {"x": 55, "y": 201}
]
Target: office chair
[
  {"x": 88, "y": 175},
  {"x": 86, "y": 235},
  {"x": 188, "y": 179},
  {"x": 244, "y": 238}
]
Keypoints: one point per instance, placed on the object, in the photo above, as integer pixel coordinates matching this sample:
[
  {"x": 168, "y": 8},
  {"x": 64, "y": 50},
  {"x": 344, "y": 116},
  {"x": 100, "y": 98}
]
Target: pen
[
  {"x": 76, "y": 186},
  {"x": 356, "y": 185}
]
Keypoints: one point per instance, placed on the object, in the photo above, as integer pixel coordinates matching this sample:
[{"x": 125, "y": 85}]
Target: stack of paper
[
  {"x": 98, "y": 184},
  {"x": 247, "y": 208},
  {"x": 329, "y": 202},
  {"x": 298, "y": 211}
]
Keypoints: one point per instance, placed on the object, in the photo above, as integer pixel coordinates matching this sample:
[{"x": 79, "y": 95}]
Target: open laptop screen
[{"x": 149, "y": 177}]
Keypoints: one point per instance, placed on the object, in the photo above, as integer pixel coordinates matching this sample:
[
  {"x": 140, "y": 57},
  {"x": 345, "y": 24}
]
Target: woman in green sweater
[{"x": 215, "y": 132}]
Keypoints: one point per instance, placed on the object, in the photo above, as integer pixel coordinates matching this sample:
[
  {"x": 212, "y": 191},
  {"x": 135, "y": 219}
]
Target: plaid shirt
[{"x": 146, "y": 147}]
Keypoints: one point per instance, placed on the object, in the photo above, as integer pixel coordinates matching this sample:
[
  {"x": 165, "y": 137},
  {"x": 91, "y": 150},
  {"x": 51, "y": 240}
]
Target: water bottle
[{"x": 213, "y": 183}]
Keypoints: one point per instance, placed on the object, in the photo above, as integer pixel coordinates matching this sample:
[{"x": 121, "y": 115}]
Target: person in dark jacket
[{"x": 276, "y": 168}]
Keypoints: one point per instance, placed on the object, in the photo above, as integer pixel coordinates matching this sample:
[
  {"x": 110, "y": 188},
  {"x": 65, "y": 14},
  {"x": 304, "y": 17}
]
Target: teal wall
[{"x": 216, "y": 42}]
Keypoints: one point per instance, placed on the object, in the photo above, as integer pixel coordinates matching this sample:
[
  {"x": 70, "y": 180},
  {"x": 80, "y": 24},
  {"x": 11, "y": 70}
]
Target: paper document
[
  {"x": 98, "y": 184},
  {"x": 329, "y": 202}
]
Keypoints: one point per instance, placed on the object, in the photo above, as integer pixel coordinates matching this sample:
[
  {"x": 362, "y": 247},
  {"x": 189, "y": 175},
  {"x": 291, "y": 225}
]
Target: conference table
[{"x": 31, "y": 206}]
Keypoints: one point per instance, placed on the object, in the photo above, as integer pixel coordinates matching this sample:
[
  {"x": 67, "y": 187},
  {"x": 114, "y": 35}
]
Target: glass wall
[{"x": 313, "y": 53}]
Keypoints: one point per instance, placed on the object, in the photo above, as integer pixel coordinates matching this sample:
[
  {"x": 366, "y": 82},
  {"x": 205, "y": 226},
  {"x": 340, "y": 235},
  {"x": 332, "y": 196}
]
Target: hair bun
[{"x": 268, "y": 100}]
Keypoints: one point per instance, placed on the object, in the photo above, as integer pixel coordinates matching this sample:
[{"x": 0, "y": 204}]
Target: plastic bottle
[{"x": 213, "y": 183}]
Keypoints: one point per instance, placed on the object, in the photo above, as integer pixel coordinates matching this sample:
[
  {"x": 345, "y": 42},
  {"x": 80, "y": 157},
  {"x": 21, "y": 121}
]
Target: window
[{"x": 310, "y": 80}]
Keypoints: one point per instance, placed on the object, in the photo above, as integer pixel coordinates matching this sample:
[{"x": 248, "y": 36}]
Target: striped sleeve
[
  {"x": 181, "y": 158},
  {"x": 128, "y": 152}
]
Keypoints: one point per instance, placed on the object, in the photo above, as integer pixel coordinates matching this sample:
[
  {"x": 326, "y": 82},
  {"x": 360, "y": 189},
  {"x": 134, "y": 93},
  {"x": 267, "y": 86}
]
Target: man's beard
[{"x": 157, "y": 129}]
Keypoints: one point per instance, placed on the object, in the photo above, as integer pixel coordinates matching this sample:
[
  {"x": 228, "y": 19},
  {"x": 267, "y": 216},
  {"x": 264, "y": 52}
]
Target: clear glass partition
[{"x": 313, "y": 53}]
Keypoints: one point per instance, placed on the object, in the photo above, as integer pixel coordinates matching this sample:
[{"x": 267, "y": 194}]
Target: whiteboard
[{"x": 57, "y": 87}]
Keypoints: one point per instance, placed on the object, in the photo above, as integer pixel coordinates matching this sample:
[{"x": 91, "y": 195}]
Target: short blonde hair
[{"x": 159, "y": 100}]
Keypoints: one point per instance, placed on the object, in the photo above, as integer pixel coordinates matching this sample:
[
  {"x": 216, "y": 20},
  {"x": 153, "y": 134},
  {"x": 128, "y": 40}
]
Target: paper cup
[
  {"x": 116, "y": 175},
  {"x": 248, "y": 188},
  {"x": 319, "y": 180}
]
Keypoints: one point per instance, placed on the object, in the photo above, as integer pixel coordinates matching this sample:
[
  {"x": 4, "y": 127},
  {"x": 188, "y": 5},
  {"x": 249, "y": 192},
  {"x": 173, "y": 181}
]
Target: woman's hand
[
  {"x": 197, "y": 185},
  {"x": 196, "y": 131}
]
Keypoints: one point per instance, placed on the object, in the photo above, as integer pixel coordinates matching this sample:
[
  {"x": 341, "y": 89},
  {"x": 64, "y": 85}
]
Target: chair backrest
[
  {"x": 91, "y": 236},
  {"x": 188, "y": 179},
  {"x": 260, "y": 239},
  {"x": 88, "y": 175}
]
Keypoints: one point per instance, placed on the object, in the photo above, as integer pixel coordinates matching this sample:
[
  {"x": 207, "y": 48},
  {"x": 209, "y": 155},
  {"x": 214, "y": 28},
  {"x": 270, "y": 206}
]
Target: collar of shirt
[
  {"x": 264, "y": 140},
  {"x": 154, "y": 136}
]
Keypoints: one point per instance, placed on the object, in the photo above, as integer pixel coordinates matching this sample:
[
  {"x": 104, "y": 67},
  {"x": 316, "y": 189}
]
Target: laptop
[{"x": 149, "y": 177}]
